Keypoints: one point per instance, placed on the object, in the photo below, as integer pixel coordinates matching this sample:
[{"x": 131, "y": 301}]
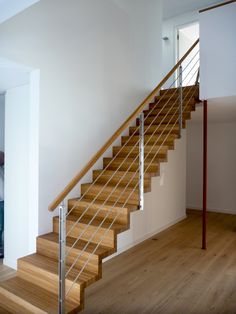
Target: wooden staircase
[{"x": 34, "y": 289}]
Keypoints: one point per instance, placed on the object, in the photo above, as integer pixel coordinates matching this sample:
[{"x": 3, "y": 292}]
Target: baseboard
[
  {"x": 145, "y": 237},
  {"x": 10, "y": 263},
  {"x": 214, "y": 210}
]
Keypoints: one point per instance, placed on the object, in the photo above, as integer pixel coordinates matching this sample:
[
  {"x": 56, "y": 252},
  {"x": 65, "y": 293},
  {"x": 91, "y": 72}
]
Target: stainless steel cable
[
  {"x": 109, "y": 227},
  {"x": 121, "y": 194},
  {"x": 166, "y": 92},
  {"x": 115, "y": 187},
  {"x": 121, "y": 163}
]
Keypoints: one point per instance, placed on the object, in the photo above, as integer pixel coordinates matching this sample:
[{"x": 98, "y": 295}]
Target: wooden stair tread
[
  {"x": 88, "y": 201},
  {"x": 97, "y": 221},
  {"x": 128, "y": 148},
  {"x": 51, "y": 266},
  {"x": 102, "y": 250},
  {"x": 33, "y": 297}
]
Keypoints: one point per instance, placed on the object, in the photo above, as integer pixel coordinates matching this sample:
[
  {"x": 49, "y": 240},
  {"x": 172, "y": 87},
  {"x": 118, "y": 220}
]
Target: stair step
[
  {"x": 120, "y": 178},
  {"x": 155, "y": 129},
  {"x": 110, "y": 193},
  {"x": 185, "y": 89},
  {"x": 130, "y": 164},
  {"x": 43, "y": 271},
  {"x": 47, "y": 245},
  {"x": 22, "y": 297},
  {"x": 167, "y": 111},
  {"x": 101, "y": 210},
  {"x": 170, "y": 120},
  {"x": 92, "y": 230},
  {"x": 171, "y": 102},
  {"x": 150, "y": 139},
  {"x": 133, "y": 151}
]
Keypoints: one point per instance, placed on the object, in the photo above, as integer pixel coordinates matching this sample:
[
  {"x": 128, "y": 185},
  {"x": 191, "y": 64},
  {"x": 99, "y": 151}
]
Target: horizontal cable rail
[
  {"x": 125, "y": 172},
  {"x": 160, "y": 146},
  {"x": 105, "y": 185},
  {"x": 131, "y": 167},
  {"x": 122, "y": 147},
  {"x": 104, "y": 148}
]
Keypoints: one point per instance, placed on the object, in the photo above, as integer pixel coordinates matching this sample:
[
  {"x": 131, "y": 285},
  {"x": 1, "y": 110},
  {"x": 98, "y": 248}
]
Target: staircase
[{"x": 103, "y": 210}]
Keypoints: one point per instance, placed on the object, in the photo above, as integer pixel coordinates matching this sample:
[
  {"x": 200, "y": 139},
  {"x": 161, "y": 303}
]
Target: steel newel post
[
  {"x": 204, "y": 203},
  {"x": 141, "y": 161},
  {"x": 62, "y": 239},
  {"x": 180, "y": 100}
]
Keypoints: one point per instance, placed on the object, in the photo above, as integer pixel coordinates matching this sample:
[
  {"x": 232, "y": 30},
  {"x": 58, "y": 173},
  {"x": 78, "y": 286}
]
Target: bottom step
[{"x": 22, "y": 297}]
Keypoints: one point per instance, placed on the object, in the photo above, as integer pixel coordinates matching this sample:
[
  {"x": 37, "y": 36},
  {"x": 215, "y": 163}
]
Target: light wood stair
[{"x": 34, "y": 289}]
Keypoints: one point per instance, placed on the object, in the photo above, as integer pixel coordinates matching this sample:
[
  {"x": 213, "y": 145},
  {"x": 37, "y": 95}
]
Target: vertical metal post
[
  {"x": 141, "y": 161},
  {"x": 204, "y": 203},
  {"x": 62, "y": 240},
  {"x": 180, "y": 100}
]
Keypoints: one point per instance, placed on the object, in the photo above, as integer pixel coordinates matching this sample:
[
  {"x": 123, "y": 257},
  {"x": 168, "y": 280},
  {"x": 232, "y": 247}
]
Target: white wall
[
  {"x": 169, "y": 46},
  {"x": 165, "y": 204},
  {"x": 2, "y": 121},
  {"x": 92, "y": 56},
  {"x": 221, "y": 166},
  {"x": 218, "y": 50},
  {"x": 17, "y": 224}
]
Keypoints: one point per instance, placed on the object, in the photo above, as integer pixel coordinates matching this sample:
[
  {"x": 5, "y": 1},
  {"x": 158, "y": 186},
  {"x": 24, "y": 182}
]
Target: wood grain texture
[
  {"x": 121, "y": 129},
  {"x": 92, "y": 225},
  {"x": 170, "y": 274}
]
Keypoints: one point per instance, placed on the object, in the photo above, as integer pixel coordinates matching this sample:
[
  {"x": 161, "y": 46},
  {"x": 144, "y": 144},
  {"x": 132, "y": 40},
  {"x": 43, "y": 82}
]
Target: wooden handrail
[
  {"x": 217, "y": 6},
  {"x": 103, "y": 149}
]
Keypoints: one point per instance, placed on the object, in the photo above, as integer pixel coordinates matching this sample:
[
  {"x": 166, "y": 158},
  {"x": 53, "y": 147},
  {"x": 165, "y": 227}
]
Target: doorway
[
  {"x": 186, "y": 36},
  {"x": 19, "y": 129}
]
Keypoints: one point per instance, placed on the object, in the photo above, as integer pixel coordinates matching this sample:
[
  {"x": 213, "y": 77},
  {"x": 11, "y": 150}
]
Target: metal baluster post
[
  {"x": 141, "y": 161},
  {"x": 180, "y": 100},
  {"x": 62, "y": 241}
]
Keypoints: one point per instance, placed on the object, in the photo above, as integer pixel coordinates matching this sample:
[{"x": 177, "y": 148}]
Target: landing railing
[{"x": 185, "y": 75}]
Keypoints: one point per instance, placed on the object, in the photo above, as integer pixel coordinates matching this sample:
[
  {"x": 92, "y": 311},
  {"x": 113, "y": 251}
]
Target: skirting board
[
  {"x": 145, "y": 237},
  {"x": 213, "y": 210},
  {"x": 10, "y": 263}
]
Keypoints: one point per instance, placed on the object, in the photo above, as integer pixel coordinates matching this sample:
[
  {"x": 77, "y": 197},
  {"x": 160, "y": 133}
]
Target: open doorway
[
  {"x": 19, "y": 86},
  {"x": 186, "y": 36}
]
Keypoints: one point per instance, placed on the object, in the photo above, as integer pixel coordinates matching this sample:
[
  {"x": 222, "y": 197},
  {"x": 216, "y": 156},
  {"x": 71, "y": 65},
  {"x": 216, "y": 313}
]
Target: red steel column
[{"x": 204, "y": 203}]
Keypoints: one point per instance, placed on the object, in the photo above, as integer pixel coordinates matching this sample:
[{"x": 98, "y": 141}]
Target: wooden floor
[{"x": 169, "y": 273}]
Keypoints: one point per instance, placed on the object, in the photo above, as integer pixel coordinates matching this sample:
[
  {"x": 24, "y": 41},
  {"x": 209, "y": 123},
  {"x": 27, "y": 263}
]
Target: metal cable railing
[
  {"x": 162, "y": 97},
  {"x": 114, "y": 189},
  {"x": 132, "y": 149},
  {"x": 172, "y": 108},
  {"x": 107, "y": 229}
]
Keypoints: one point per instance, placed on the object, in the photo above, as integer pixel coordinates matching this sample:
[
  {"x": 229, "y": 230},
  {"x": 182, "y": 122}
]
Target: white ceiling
[
  {"x": 176, "y": 7},
  {"x": 219, "y": 110},
  {"x": 9, "y": 8}
]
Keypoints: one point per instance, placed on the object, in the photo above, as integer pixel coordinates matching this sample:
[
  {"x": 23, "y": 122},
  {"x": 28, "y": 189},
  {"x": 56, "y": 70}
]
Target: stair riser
[
  {"x": 51, "y": 249},
  {"x": 150, "y": 140},
  {"x": 91, "y": 233},
  {"x": 112, "y": 196},
  {"x": 186, "y": 89},
  {"x": 173, "y": 105},
  {"x": 155, "y": 130},
  {"x": 47, "y": 280},
  {"x": 153, "y": 168},
  {"x": 159, "y": 153},
  {"x": 166, "y": 121},
  {"x": 102, "y": 211},
  {"x": 175, "y": 95},
  {"x": 122, "y": 182},
  {"x": 166, "y": 111}
]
